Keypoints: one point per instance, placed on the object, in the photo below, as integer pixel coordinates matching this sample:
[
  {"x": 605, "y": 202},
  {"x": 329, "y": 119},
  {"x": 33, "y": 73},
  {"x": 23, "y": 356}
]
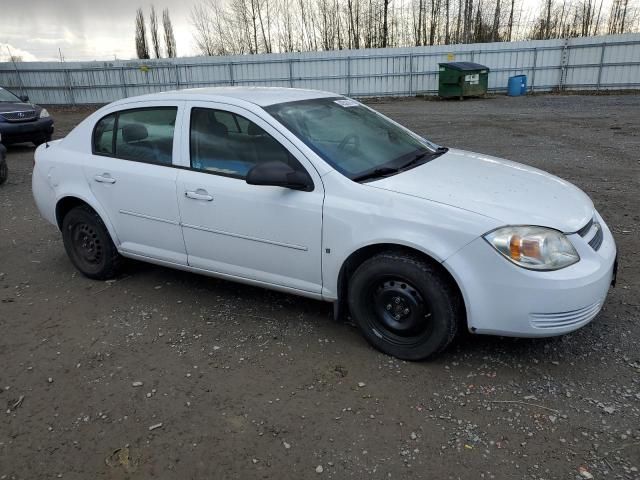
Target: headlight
[
  {"x": 536, "y": 248},
  {"x": 44, "y": 113}
]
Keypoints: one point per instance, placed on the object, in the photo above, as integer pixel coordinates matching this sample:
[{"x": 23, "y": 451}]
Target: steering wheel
[{"x": 349, "y": 138}]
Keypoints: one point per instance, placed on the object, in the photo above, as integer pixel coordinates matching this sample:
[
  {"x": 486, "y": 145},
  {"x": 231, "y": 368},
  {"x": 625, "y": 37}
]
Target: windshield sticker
[{"x": 346, "y": 103}]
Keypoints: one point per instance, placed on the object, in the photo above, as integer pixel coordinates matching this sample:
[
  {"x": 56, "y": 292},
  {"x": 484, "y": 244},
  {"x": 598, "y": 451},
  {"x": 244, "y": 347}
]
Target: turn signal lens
[{"x": 536, "y": 248}]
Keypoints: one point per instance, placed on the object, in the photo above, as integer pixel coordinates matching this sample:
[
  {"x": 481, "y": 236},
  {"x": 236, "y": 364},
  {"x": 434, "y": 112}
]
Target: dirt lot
[{"x": 248, "y": 383}]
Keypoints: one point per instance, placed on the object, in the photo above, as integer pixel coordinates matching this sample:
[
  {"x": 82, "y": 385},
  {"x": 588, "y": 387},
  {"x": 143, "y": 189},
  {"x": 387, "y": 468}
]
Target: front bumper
[
  {"x": 504, "y": 299},
  {"x": 16, "y": 132}
]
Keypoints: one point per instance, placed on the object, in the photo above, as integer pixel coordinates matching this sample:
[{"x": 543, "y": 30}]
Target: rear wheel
[
  {"x": 404, "y": 306},
  {"x": 89, "y": 245}
]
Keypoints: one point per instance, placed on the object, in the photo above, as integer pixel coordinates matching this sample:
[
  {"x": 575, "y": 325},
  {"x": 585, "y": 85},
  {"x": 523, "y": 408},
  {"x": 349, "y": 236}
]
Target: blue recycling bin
[{"x": 517, "y": 86}]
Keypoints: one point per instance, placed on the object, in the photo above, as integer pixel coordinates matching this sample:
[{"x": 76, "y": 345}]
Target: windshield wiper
[
  {"x": 414, "y": 160},
  {"x": 431, "y": 155},
  {"x": 377, "y": 173},
  {"x": 386, "y": 171}
]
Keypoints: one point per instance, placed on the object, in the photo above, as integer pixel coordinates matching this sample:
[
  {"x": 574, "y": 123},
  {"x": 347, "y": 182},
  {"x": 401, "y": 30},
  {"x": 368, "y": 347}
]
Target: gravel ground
[{"x": 165, "y": 374}]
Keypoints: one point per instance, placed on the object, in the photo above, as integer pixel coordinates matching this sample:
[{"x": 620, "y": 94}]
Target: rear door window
[{"x": 143, "y": 135}]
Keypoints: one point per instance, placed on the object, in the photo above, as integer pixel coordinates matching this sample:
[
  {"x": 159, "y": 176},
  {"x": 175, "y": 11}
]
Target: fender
[{"x": 91, "y": 201}]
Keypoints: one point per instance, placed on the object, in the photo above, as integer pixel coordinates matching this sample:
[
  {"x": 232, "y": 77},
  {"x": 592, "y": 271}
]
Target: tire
[
  {"x": 89, "y": 245},
  {"x": 4, "y": 171},
  {"x": 404, "y": 306}
]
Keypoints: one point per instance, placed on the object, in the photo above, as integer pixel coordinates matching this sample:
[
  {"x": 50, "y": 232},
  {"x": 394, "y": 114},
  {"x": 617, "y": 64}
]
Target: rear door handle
[
  {"x": 104, "y": 178},
  {"x": 199, "y": 194}
]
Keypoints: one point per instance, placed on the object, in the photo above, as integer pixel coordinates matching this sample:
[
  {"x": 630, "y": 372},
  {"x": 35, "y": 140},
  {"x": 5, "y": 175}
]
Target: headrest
[
  {"x": 134, "y": 132},
  {"x": 219, "y": 129},
  {"x": 254, "y": 129},
  {"x": 204, "y": 121}
]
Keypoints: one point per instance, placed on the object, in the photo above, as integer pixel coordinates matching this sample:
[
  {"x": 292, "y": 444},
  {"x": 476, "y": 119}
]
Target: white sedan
[{"x": 315, "y": 194}]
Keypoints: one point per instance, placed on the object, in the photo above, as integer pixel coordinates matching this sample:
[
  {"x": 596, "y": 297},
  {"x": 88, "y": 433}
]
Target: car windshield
[
  {"x": 354, "y": 139},
  {"x": 7, "y": 96}
]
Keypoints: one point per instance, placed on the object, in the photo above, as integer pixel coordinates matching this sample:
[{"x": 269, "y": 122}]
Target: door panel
[
  {"x": 269, "y": 234},
  {"x": 263, "y": 233},
  {"x": 132, "y": 176},
  {"x": 141, "y": 204}
]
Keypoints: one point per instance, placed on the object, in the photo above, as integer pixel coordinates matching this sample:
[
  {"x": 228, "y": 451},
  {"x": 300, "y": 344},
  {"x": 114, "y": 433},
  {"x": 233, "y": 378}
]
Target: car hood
[
  {"x": 16, "y": 107},
  {"x": 510, "y": 192}
]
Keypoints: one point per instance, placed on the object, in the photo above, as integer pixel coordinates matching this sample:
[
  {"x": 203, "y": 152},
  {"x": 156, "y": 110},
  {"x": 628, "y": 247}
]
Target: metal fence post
[
  {"x": 177, "y": 77},
  {"x": 411, "y": 74},
  {"x": 533, "y": 74},
  {"x": 67, "y": 78},
  {"x": 563, "y": 64},
  {"x": 291, "y": 73},
  {"x": 123, "y": 83},
  {"x": 604, "y": 47},
  {"x": 231, "y": 79},
  {"x": 349, "y": 76}
]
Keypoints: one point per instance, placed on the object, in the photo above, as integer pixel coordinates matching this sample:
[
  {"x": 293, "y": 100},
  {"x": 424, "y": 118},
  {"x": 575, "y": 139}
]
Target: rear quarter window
[{"x": 103, "y": 135}]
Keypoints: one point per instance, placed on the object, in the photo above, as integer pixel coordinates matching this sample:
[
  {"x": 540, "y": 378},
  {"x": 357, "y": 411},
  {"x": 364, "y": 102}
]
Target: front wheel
[
  {"x": 404, "y": 306},
  {"x": 89, "y": 245}
]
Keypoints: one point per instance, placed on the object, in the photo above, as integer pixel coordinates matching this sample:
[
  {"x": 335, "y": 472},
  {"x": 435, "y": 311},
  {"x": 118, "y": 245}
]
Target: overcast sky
[{"x": 83, "y": 29}]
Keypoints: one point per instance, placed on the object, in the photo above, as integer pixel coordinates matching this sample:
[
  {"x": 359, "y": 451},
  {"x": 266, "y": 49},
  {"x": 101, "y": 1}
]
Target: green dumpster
[{"x": 462, "y": 79}]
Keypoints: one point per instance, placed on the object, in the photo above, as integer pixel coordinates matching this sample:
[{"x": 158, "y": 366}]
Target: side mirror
[
  {"x": 24, "y": 98},
  {"x": 279, "y": 174}
]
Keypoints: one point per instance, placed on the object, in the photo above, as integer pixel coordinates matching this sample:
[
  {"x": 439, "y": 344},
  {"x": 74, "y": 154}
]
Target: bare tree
[
  {"x": 169, "y": 38},
  {"x": 495, "y": 34},
  {"x": 510, "y": 22},
  {"x": 447, "y": 32},
  {"x": 385, "y": 24},
  {"x": 547, "y": 23},
  {"x": 203, "y": 34},
  {"x": 618, "y": 16},
  {"x": 142, "y": 48},
  {"x": 224, "y": 27},
  {"x": 354, "y": 23},
  {"x": 153, "y": 28}
]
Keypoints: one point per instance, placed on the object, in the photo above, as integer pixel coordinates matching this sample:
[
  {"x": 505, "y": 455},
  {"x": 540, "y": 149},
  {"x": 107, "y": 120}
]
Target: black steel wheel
[
  {"x": 398, "y": 310},
  {"x": 404, "y": 306},
  {"x": 89, "y": 245}
]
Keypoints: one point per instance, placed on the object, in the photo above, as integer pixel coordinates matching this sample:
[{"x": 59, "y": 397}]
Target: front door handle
[
  {"x": 104, "y": 178},
  {"x": 199, "y": 194}
]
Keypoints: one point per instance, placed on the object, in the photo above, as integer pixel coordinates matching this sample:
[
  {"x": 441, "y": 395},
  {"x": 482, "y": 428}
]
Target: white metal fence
[{"x": 587, "y": 63}]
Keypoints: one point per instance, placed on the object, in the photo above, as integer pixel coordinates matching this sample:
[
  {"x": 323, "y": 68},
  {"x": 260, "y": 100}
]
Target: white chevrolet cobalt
[{"x": 315, "y": 194}]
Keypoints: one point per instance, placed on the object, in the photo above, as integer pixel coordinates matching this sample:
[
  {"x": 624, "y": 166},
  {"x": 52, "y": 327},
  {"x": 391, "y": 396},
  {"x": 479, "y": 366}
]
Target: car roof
[{"x": 262, "y": 96}]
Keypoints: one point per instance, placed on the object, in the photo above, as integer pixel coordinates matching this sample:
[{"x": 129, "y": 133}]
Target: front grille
[
  {"x": 592, "y": 227},
  {"x": 565, "y": 319},
  {"x": 596, "y": 241},
  {"x": 23, "y": 116},
  {"x": 584, "y": 230}
]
